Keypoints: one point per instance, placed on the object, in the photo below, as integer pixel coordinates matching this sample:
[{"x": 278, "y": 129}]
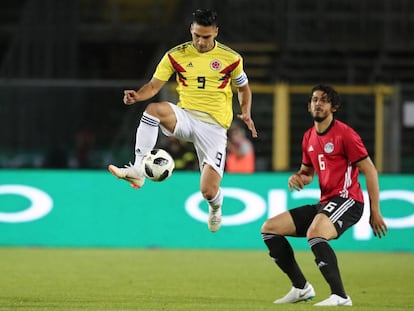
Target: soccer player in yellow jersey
[{"x": 205, "y": 71}]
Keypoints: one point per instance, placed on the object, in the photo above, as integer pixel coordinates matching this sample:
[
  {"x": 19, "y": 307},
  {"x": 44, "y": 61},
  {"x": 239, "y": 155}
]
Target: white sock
[
  {"x": 217, "y": 201},
  {"x": 146, "y": 137}
]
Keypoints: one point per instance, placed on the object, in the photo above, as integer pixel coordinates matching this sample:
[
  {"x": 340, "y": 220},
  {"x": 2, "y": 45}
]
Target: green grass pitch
[{"x": 180, "y": 280}]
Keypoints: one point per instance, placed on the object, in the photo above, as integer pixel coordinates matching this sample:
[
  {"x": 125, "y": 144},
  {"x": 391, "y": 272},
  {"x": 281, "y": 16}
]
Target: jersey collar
[{"x": 327, "y": 129}]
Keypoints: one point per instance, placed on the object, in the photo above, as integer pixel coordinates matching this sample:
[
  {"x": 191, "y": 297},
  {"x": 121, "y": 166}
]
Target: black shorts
[{"x": 343, "y": 212}]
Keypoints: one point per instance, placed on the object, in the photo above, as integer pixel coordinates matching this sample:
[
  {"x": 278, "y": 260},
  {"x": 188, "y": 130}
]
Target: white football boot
[
  {"x": 298, "y": 294},
  {"x": 129, "y": 173},
  {"x": 214, "y": 218},
  {"x": 335, "y": 300}
]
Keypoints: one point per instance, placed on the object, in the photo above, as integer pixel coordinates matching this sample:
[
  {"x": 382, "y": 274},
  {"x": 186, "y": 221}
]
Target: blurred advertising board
[{"x": 65, "y": 208}]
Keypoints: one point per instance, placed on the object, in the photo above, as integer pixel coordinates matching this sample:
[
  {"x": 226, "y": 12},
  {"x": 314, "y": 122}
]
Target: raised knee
[{"x": 152, "y": 109}]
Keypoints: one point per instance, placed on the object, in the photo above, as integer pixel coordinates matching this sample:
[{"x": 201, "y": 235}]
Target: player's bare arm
[
  {"x": 300, "y": 179},
  {"x": 147, "y": 91},
  {"x": 245, "y": 99},
  {"x": 376, "y": 220}
]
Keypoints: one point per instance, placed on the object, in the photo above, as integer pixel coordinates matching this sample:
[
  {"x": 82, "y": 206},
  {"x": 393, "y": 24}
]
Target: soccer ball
[{"x": 158, "y": 165}]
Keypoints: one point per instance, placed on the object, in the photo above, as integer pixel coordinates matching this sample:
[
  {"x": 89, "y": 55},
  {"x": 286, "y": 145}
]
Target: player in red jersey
[{"x": 336, "y": 153}]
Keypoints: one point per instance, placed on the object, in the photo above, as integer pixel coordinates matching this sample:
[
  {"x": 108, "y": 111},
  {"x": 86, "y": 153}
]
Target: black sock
[
  {"x": 327, "y": 263},
  {"x": 282, "y": 253}
]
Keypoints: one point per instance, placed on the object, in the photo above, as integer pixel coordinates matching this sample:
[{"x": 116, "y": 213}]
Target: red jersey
[{"x": 333, "y": 155}]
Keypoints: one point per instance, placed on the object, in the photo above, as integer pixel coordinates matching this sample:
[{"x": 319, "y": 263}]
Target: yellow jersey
[{"x": 204, "y": 80}]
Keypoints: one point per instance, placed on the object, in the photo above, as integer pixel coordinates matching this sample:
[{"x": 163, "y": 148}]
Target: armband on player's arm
[{"x": 240, "y": 80}]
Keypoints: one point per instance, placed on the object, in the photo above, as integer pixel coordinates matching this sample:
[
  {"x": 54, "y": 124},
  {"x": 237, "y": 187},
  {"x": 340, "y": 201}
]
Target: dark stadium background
[{"x": 64, "y": 65}]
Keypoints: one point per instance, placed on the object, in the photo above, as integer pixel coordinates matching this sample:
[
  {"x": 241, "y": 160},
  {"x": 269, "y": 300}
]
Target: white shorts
[{"x": 209, "y": 140}]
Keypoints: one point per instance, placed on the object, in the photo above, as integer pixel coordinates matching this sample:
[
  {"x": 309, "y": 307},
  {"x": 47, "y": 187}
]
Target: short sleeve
[
  {"x": 238, "y": 76},
  {"x": 306, "y": 160},
  {"x": 354, "y": 147},
  {"x": 164, "y": 69}
]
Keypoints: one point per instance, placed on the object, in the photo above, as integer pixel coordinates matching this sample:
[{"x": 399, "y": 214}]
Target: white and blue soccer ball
[{"x": 158, "y": 165}]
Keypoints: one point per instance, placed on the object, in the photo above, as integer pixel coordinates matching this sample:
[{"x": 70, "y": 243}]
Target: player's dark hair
[
  {"x": 205, "y": 17},
  {"x": 333, "y": 96}
]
